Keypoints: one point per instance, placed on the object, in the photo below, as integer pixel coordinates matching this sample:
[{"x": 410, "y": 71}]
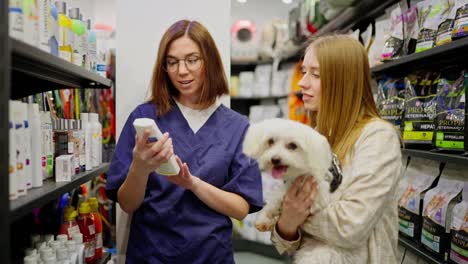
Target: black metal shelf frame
[
  {"x": 50, "y": 190},
  {"x": 453, "y": 53},
  {"x": 418, "y": 250},
  {"x": 34, "y": 71},
  {"x": 442, "y": 157}
]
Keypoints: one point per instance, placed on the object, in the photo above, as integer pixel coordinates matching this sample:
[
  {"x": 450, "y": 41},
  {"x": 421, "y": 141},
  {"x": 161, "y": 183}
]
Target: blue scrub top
[{"x": 172, "y": 225}]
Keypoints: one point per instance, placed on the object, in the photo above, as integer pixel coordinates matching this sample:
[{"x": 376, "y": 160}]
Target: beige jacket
[{"x": 361, "y": 223}]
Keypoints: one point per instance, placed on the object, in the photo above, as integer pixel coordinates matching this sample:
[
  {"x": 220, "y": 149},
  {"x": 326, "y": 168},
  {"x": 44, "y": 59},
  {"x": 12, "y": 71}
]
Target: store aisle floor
[{"x": 252, "y": 258}]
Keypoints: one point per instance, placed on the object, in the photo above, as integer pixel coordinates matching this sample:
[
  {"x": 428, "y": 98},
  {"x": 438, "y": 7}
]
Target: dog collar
[{"x": 335, "y": 170}]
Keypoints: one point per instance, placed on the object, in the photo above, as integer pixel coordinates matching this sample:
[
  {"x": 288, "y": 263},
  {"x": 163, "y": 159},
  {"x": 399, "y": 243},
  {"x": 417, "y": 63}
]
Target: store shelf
[
  {"x": 106, "y": 256},
  {"x": 239, "y": 244},
  {"x": 50, "y": 190},
  {"x": 450, "y": 158},
  {"x": 352, "y": 17},
  {"x": 417, "y": 250},
  {"x": 448, "y": 54},
  {"x": 34, "y": 71}
]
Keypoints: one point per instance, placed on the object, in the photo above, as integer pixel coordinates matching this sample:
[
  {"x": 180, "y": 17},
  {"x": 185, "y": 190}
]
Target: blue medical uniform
[{"x": 172, "y": 225}]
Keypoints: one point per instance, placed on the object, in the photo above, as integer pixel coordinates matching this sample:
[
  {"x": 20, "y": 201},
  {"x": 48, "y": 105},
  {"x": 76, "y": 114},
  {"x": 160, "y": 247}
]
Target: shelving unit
[
  {"x": 442, "y": 157},
  {"x": 447, "y": 54},
  {"x": 24, "y": 71},
  {"x": 50, "y": 190},
  {"x": 419, "y": 251}
]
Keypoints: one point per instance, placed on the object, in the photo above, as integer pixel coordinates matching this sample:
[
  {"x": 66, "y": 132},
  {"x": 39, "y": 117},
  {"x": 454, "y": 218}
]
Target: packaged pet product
[
  {"x": 460, "y": 24},
  {"x": 420, "y": 108},
  {"x": 391, "y": 100},
  {"x": 382, "y": 25},
  {"x": 459, "y": 231},
  {"x": 393, "y": 47},
  {"x": 438, "y": 205},
  {"x": 410, "y": 26},
  {"x": 450, "y": 116},
  {"x": 421, "y": 175},
  {"x": 431, "y": 14},
  {"x": 444, "y": 32}
]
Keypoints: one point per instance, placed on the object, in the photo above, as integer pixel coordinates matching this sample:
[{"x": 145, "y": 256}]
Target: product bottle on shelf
[
  {"x": 88, "y": 139},
  {"x": 27, "y": 146},
  {"x": 20, "y": 139},
  {"x": 16, "y": 23},
  {"x": 54, "y": 31},
  {"x": 69, "y": 225},
  {"x": 65, "y": 36},
  {"x": 86, "y": 224},
  {"x": 96, "y": 151},
  {"x": 13, "y": 193},
  {"x": 44, "y": 24},
  {"x": 92, "y": 47},
  {"x": 93, "y": 202},
  {"x": 36, "y": 143},
  {"x": 31, "y": 23},
  {"x": 78, "y": 238},
  {"x": 79, "y": 29}
]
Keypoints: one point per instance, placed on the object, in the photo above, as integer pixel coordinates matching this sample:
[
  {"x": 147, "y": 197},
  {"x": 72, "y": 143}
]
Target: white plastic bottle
[
  {"x": 31, "y": 22},
  {"x": 78, "y": 238},
  {"x": 27, "y": 146},
  {"x": 81, "y": 137},
  {"x": 16, "y": 23},
  {"x": 36, "y": 142},
  {"x": 44, "y": 24},
  {"x": 169, "y": 168},
  {"x": 96, "y": 128},
  {"x": 12, "y": 166},
  {"x": 72, "y": 251},
  {"x": 88, "y": 139},
  {"x": 20, "y": 148}
]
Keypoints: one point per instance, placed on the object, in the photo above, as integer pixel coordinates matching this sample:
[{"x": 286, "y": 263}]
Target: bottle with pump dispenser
[{"x": 65, "y": 36}]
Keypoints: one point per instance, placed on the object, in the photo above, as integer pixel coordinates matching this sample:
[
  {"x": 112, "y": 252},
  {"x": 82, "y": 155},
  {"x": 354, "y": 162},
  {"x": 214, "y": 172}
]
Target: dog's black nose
[{"x": 276, "y": 160}]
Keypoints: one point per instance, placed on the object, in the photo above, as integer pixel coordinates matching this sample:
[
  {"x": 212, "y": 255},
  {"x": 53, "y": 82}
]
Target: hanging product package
[
  {"x": 431, "y": 14},
  {"x": 420, "y": 108},
  {"x": 421, "y": 175},
  {"x": 459, "y": 231},
  {"x": 410, "y": 27},
  {"x": 438, "y": 207},
  {"x": 450, "y": 116},
  {"x": 393, "y": 47},
  {"x": 391, "y": 100},
  {"x": 460, "y": 24}
]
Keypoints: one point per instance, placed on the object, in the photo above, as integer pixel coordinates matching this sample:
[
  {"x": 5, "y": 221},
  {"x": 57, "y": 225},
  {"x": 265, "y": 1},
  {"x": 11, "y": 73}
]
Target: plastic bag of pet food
[
  {"x": 460, "y": 24},
  {"x": 431, "y": 14},
  {"x": 444, "y": 32},
  {"x": 391, "y": 100},
  {"x": 438, "y": 206},
  {"x": 421, "y": 175},
  {"x": 459, "y": 231},
  {"x": 410, "y": 26},
  {"x": 393, "y": 47},
  {"x": 450, "y": 117},
  {"x": 420, "y": 108}
]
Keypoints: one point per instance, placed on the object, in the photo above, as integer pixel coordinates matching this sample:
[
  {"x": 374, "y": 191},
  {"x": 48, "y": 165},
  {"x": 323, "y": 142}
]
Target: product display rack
[
  {"x": 442, "y": 157},
  {"x": 419, "y": 251},
  {"x": 24, "y": 71},
  {"x": 453, "y": 53},
  {"x": 50, "y": 190}
]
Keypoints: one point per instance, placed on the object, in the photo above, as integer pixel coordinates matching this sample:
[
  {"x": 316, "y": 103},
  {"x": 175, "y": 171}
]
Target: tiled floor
[{"x": 251, "y": 258}]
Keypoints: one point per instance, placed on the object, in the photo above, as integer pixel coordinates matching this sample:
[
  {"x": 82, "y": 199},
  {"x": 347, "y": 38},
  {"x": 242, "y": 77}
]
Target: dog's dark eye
[
  {"x": 291, "y": 146},
  {"x": 270, "y": 142}
]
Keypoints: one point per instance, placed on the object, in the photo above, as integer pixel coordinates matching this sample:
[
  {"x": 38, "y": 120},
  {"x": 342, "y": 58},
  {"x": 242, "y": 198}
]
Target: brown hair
[
  {"x": 346, "y": 103},
  {"x": 215, "y": 83}
]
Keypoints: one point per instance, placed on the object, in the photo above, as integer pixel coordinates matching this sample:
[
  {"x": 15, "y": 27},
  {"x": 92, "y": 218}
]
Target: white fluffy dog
[{"x": 290, "y": 149}]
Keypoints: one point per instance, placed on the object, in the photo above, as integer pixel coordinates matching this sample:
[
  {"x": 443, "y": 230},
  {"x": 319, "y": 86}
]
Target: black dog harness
[{"x": 335, "y": 170}]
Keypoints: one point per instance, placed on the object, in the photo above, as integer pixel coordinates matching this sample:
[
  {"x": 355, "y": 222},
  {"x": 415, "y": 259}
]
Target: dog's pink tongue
[{"x": 278, "y": 172}]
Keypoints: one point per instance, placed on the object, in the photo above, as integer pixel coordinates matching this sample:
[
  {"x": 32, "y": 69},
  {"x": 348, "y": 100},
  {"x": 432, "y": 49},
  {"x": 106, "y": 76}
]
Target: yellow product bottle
[{"x": 65, "y": 36}]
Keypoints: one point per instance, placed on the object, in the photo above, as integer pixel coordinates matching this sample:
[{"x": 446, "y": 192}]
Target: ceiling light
[
  {"x": 242, "y": 1},
  {"x": 287, "y": 1}
]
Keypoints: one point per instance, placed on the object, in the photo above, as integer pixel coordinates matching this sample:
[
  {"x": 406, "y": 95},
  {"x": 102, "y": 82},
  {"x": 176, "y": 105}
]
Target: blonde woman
[{"x": 361, "y": 223}]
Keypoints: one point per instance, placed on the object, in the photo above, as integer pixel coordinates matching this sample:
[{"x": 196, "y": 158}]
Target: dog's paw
[{"x": 264, "y": 225}]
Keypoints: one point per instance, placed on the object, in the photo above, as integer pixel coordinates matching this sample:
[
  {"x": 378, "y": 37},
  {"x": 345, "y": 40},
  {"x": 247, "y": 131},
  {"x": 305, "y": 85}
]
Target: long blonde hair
[{"x": 346, "y": 103}]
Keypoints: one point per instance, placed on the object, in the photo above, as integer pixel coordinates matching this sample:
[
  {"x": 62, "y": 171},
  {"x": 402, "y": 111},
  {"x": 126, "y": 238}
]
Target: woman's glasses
[{"x": 192, "y": 63}]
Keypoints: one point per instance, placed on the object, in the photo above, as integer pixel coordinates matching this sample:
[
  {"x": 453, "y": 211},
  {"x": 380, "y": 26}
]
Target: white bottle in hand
[{"x": 169, "y": 168}]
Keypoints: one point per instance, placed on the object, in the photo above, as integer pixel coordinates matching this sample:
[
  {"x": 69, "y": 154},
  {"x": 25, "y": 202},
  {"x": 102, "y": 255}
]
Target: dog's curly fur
[{"x": 289, "y": 149}]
